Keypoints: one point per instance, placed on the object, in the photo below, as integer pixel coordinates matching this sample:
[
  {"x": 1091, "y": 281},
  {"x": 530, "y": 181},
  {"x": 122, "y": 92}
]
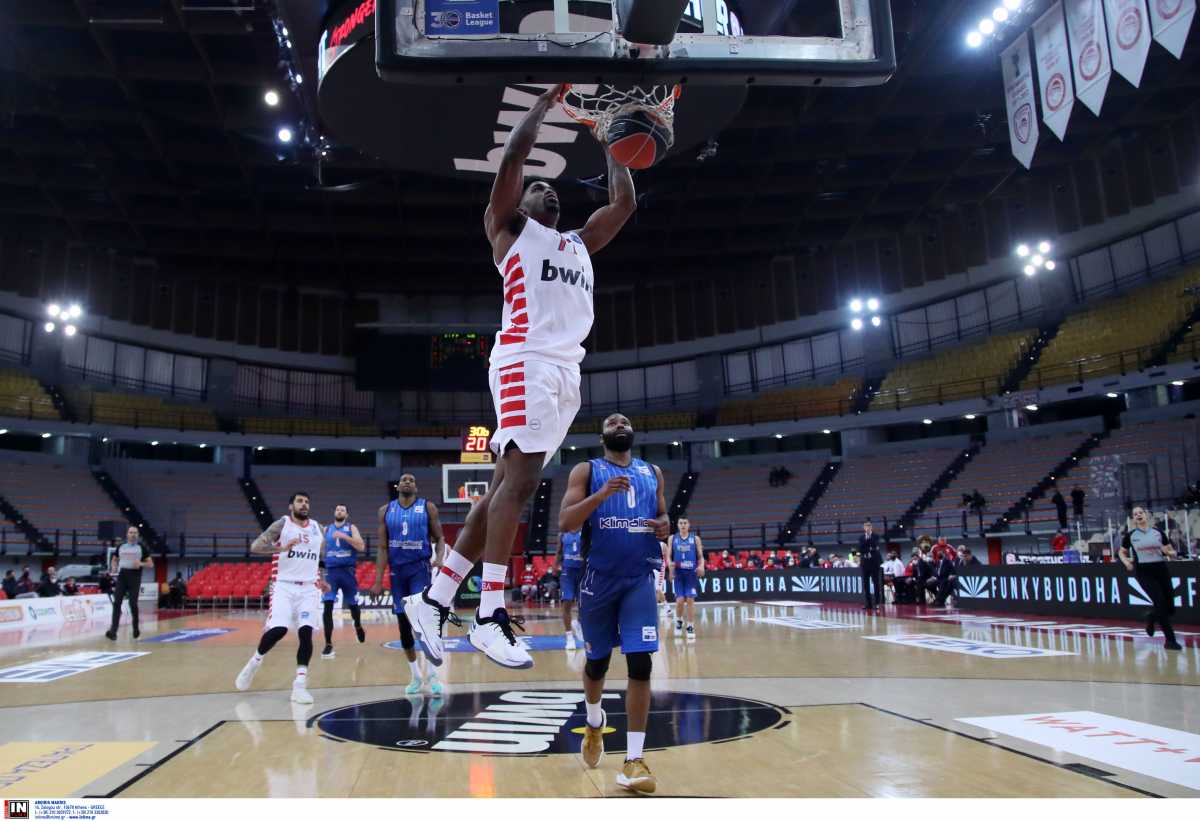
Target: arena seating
[
  {"x": 58, "y": 499},
  {"x": 1003, "y": 472},
  {"x": 969, "y": 371},
  {"x": 740, "y": 495},
  {"x": 673, "y": 420},
  {"x": 1188, "y": 349},
  {"x": 1117, "y": 335},
  {"x": 792, "y": 403},
  {"x": 141, "y": 410},
  {"x": 298, "y": 426},
  {"x": 876, "y": 485},
  {"x": 199, "y": 501},
  {"x": 23, "y": 397}
]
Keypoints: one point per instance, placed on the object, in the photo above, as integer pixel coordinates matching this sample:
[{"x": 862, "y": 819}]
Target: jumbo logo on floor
[{"x": 539, "y": 722}]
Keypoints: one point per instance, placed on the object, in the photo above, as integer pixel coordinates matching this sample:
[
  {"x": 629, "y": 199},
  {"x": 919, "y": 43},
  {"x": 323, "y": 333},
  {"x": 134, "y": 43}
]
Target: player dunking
[
  {"x": 296, "y": 586},
  {"x": 686, "y": 565},
  {"x": 621, "y": 500},
  {"x": 534, "y": 376},
  {"x": 570, "y": 562},
  {"x": 343, "y": 544},
  {"x": 410, "y": 536}
]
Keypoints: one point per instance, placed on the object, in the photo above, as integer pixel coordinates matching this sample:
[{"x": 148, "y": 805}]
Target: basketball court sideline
[{"x": 848, "y": 704}]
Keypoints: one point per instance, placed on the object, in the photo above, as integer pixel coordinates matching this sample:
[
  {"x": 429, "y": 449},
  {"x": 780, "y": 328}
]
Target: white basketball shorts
[
  {"x": 536, "y": 403},
  {"x": 660, "y": 581},
  {"x": 294, "y": 605}
]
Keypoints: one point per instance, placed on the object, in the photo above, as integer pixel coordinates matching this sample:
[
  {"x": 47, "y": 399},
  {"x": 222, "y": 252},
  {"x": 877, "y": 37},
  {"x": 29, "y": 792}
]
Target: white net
[{"x": 598, "y": 110}]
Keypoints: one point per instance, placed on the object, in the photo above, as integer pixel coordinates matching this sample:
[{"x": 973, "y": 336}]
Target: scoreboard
[{"x": 475, "y": 450}]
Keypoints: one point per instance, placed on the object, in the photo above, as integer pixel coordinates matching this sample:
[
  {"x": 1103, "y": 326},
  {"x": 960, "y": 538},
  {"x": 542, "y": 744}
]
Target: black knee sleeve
[
  {"x": 327, "y": 622},
  {"x": 639, "y": 666},
  {"x": 304, "y": 654},
  {"x": 355, "y": 612},
  {"x": 407, "y": 640},
  {"x": 597, "y": 669},
  {"x": 270, "y": 639}
]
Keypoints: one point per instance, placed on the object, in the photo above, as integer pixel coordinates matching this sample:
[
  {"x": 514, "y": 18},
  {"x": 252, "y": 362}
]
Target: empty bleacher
[
  {"x": 1115, "y": 336},
  {"x": 61, "y": 500},
  {"x": 965, "y": 372},
  {"x": 299, "y": 426},
  {"x": 792, "y": 403},
  {"x": 739, "y": 495},
  {"x": 877, "y": 485},
  {"x": 140, "y": 410},
  {"x": 199, "y": 501},
  {"x": 23, "y": 397},
  {"x": 1003, "y": 472}
]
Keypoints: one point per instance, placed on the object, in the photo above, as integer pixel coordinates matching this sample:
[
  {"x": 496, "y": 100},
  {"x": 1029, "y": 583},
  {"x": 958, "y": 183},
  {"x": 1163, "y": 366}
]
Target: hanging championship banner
[
  {"x": 1089, "y": 52},
  {"x": 1018, "y": 90},
  {"x": 1128, "y": 37},
  {"x": 1054, "y": 70},
  {"x": 1170, "y": 20}
]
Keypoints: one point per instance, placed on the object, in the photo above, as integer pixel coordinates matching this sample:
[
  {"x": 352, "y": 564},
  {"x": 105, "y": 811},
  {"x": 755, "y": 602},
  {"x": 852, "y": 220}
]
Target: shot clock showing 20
[{"x": 475, "y": 450}]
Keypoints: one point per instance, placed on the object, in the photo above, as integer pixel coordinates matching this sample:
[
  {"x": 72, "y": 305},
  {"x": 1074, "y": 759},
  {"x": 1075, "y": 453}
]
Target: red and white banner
[
  {"x": 1128, "y": 37},
  {"x": 1170, "y": 20},
  {"x": 1089, "y": 51},
  {"x": 1019, "y": 93},
  {"x": 1054, "y": 70}
]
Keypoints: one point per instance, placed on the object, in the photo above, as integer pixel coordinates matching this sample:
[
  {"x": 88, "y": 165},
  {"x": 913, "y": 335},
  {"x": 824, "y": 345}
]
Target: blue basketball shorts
[
  {"x": 686, "y": 584},
  {"x": 618, "y": 610},
  {"x": 407, "y": 580},
  {"x": 569, "y": 582},
  {"x": 343, "y": 579}
]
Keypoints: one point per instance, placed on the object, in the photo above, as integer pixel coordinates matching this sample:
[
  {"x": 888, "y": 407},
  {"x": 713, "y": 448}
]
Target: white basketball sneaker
[
  {"x": 428, "y": 619},
  {"x": 246, "y": 677},
  {"x": 300, "y": 693},
  {"x": 570, "y": 641},
  {"x": 494, "y": 638},
  {"x": 678, "y": 627},
  {"x": 577, "y": 630}
]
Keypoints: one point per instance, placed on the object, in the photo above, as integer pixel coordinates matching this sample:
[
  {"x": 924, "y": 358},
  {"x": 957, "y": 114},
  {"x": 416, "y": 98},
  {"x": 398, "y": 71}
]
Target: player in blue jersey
[
  {"x": 569, "y": 559},
  {"x": 343, "y": 545},
  {"x": 685, "y": 564},
  {"x": 410, "y": 541},
  {"x": 620, "y": 500}
]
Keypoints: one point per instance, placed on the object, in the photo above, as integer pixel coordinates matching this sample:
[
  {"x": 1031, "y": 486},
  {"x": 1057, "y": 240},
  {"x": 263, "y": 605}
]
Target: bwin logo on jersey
[
  {"x": 310, "y": 555},
  {"x": 975, "y": 587},
  {"x": 568, "y": 277}
]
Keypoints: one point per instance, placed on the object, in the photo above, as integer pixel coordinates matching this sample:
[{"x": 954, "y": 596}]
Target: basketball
[{"x": 638, "y": 139}]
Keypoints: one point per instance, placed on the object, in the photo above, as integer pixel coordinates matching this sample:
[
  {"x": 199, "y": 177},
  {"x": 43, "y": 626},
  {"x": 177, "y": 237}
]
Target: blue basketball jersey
[
  {"x": 622, "y": 540},
  {"x": 408, "y": 533},
  {"x": 683, "y": 551},
  {"x": 337, "y": 553},
  {"x": 572, "y": 550}
]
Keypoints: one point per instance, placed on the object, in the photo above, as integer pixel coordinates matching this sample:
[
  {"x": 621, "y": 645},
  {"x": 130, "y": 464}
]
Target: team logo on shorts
[
  {"x": 551, "y": 722},
  {"x": 649, "y": 633},
  {"x": 535, "y": 424}
]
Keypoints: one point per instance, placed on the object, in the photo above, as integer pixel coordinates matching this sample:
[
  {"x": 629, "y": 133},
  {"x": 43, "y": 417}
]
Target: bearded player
[{"x": 534, "y": 376}]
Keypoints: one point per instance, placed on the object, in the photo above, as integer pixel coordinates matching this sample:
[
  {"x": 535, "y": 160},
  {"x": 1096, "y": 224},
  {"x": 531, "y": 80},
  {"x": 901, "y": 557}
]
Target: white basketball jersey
[
  {"x": 300, "y": 563},
  {"x": 547, "y": 299}
]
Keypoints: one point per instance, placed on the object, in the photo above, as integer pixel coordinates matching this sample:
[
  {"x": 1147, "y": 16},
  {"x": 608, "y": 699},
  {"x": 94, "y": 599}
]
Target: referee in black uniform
[
  {"x": 127, "y": 564},
  {"x": 871, "y": 567},
  {"x": 1144, "y": 552}
]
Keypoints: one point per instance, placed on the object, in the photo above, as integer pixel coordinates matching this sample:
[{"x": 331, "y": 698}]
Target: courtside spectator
[
  {"x": 25, "y": 587},
  {"x": 1077, "y": 497},
  {"x": 528, "y": 583},
  {"x": 178, "y": 591},
  {"x": 811, "y": 558},
  {"x": 1060, "y": 506},
  {"x": 70, "y": 588},
  {"x": 10, "y": 584},
  {"x": 1059, "y": 542},
  {"x": 48, "y": 584},
  {"x": 548, "y": 585}
]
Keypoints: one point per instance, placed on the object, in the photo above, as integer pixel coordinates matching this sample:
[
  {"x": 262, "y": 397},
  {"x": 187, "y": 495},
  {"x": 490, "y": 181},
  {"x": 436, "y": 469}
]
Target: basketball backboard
[{"x": 719, "y": 42}]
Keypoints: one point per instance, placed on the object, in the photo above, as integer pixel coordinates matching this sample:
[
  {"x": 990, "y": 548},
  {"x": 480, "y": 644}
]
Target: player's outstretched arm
[
  {"x": 268, "y": 540},
  {"x": 604, "y": 225},
  {"x": 577, "y": 505},
  {"x": 435, "y": 533},
  {"x": 508, "y": 186}
]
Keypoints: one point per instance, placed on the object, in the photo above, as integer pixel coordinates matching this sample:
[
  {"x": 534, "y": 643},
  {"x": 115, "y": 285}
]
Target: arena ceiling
[{"x": 139, "y": 125}]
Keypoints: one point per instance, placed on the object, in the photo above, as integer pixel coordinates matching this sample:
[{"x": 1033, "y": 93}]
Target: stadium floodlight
[
  {"x": 876, "y": 321},
  {"x": 974, "y": 39},
  {"x": 1012, "y": 5},
  {"x": 260, "y": 447},
  {"x": 53, "y": 310},
  {"x": 1051, "y": 265},
  {"x": 731, "y": 441},
  {"x": 299, "y": 79},
  {"x": 312, "y": 450},
  {"x": 926, "y": 421},
  {"x": 856, "y": 324},
  {"x": 826, "y": 431},
  {"x": 1000, "y": 14},
  {"x": 362, "y": 450},
  {"x": 76, "y": 311},
  {"x": 1112, "y": 395},
  {"x": 49, "y": 327},
  {"x": 284, "y": 134},
  {"x": 674, "y": 444},
  {"x": 271, "y": 98},
  {"x": 1177, "y": 383},
  {"x": 986, "y": 26},
  {"x": 779, "y": 436},
  {"x": 1038, "y": 260},
  {"x": 872, "y": 304},
  {"x": 1045, "y": 247},
  {"x": 69, "y": 330},
  {"x": 1022, "y": 250},
  {"x": 970, "y": 417},
  {"x": 1030, "y": 270},
  {"x": 202, "y": 445},
  {"x": 1031, "y": 408},
  {"x": 856, "y": 305},
  {"x": 3, "y": 431},
  {"x": 46, "y": 435},
  {"x": 154, "y": 443}
]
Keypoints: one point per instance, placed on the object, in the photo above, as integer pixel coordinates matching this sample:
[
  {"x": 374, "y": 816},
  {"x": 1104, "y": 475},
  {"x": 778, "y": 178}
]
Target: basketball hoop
[{"x": 597, "y": 111}]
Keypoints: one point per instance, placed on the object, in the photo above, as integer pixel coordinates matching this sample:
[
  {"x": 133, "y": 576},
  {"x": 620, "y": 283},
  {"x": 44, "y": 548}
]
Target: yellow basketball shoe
[
  {"x": 593, "y": 742},
  {"x": 636, "y": 776}
]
